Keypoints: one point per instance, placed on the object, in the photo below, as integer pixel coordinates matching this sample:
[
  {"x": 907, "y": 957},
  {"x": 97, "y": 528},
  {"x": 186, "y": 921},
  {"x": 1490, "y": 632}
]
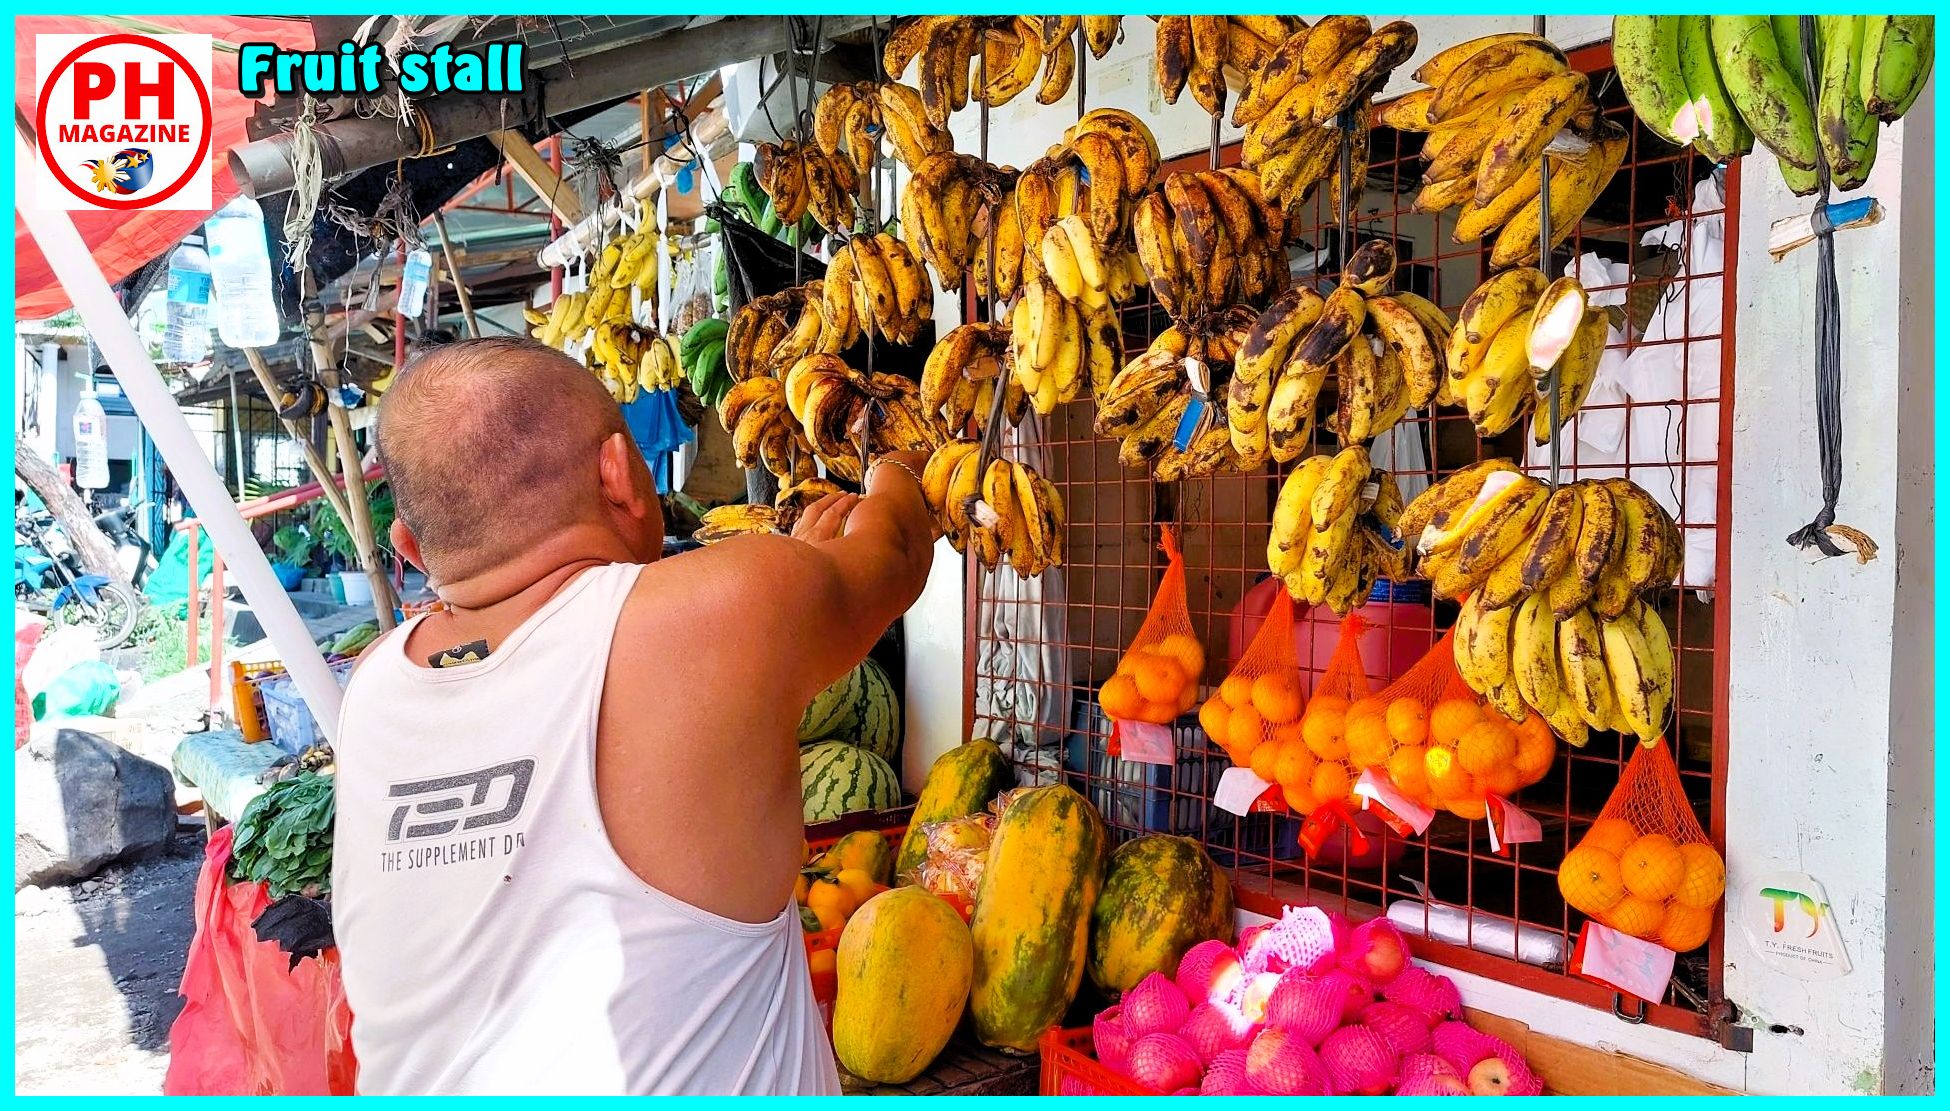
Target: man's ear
[
  {"x": 616, "y": 463},
  {"x": 406, "y": 544}
]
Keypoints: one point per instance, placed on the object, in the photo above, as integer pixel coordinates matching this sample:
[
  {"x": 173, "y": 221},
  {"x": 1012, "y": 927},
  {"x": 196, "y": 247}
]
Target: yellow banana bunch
[
  {"x": 763, "y": 432},
  {"x": 770, "y": 333},
  {"x": 1493, "y": 109},
  {"x": 1006, "y": 511},
  {"x": 1295, "y": 95},
  {"x": 946, "y": 198},
  {"x": 727, "y": 521},
  {"x": 1144, "y": 403},
  {"x": 1329, "y": 541},
  {"x": 1099, "y": 170},
  {"x": 850, "y": 118},
  {"x": 1386, "y": 349},
  {"x": 1065, "y": 333},
  {"x": 1581, "y": 671},
  {"x": 959, "y": 379},
  {"x": 874, "y": 281},
  {"x": 990, "y": 59},
  {"x": 838, "y": 409},
  {"x": 1510, "y": 334},
  {"x": 1210, "y": 238},
  {"x": 1207, "y": 52},
  {"x": 799, "y": 175}
]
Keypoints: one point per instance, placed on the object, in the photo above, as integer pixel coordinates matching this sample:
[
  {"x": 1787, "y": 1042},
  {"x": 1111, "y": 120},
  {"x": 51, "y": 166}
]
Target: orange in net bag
[
  {"x": 1259, "y": 703},
  {"x": 1158, "y": 678},
  {"x": 1315, "y": 773},
  {"x": 1441, "y": 744},
  {"x": 1645, "y": 867}
]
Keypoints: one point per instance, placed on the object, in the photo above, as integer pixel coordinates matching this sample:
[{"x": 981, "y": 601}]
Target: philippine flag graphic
[{"x": 127, "y": 171}]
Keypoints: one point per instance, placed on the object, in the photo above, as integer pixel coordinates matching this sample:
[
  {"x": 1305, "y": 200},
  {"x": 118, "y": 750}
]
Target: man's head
[{"x": 493, "y": 446}]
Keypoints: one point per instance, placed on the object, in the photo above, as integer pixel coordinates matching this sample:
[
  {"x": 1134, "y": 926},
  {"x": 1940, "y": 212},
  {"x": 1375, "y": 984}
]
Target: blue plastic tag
[{"x": 1188, "y": 425}]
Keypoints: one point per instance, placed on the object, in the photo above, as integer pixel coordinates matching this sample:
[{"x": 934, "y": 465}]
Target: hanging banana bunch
[
  {"x": 800, "y": 177},
  {"x": 1145, "y": 403},
  {"x": 875, "y": 283},
  {"x": 991, "y": 59},
  {"x": 792, "y": 501},
  {"x": 946, "y": 199},
  {"x": 1195, "y": 51},
  {"x": 763, "y": 433},
  {"x": 850, "y": 119},
  {"x": 836, "y": 407},
  {"x": 771, "y": 332},
  {"x": 1554, "y": 618},
  {"x": 1331, "y": 522},
  {"x": 1101, "y": 168},
  {"x": 1510, "y": 334},
  {"x": 1494, "y": 108},
  {"x": 1720, "y": 82},
  {"x": 962, "y": 372},
  {"x": 1295, "y": 97},
  {"x": 1065, "y": 332},
  {"x": 1209, "y": 239},
  {"x": 1006, "y": 511}
]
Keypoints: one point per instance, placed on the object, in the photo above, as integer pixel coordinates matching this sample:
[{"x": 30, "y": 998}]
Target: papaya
[
  {"x": 1031, "y": 925},
  {"x": 864, "y": 849},
  {"x": 904, "y": 965},
  {"x": 1161, "y": 896},
  {"x": 961, "y": 782}
]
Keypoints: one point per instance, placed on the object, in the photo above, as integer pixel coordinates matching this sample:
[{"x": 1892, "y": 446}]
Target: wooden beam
[
  {"x": 535, "y": 170},
  {"x": 321, "y": 471},
  {"x": 453, "y": 274}
]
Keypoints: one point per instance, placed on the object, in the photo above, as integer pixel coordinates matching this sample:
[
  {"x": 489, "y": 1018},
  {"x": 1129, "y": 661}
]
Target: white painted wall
[{"x": 1831, "y": 688}]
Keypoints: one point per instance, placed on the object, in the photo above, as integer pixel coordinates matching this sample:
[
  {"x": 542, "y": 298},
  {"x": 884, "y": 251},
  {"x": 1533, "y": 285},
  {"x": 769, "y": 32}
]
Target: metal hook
[{"x": 1618, "y": 998}]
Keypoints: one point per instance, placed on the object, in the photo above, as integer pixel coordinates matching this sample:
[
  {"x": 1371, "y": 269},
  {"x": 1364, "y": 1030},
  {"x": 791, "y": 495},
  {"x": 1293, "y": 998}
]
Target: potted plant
[{"x": 335, "y": 541}]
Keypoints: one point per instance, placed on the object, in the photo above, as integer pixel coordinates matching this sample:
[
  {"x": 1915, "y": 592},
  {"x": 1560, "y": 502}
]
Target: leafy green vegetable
[{"x": 284, "y": 838}]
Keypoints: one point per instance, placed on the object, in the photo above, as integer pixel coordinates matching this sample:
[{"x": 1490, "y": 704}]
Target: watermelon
[
  {"x": 860, "y": 709},
  {"x": 838, "y": 778}
]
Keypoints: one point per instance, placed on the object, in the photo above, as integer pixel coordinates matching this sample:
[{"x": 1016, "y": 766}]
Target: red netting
[
  {"x": 1158, "y": 678},
  {"x": 1258, "y": 705},
  {"x": 1646, "y": 868}
]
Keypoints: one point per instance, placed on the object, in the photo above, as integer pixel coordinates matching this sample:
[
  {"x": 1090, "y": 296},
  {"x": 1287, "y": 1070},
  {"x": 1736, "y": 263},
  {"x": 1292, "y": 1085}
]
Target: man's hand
[{"x": 825, "y": 519}]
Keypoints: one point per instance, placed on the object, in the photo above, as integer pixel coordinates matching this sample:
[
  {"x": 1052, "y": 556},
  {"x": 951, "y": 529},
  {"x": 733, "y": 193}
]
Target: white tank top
[{"x": 492, "y": 940}]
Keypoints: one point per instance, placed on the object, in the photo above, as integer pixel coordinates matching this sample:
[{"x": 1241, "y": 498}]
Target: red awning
[{"x": 123, "y": 241}]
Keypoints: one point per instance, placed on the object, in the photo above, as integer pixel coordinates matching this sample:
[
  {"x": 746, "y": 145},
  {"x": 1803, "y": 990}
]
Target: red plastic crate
[{"x": 1070, "y": 1068}]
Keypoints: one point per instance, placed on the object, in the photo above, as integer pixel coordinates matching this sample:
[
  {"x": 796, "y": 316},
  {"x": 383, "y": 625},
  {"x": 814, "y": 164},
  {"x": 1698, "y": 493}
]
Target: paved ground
[{"x": 96, "y": 968}]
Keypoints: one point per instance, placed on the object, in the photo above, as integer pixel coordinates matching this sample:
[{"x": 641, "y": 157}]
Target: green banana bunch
[
  {"x": 1719, "y": 82},
  {"x": 701, "y": 353}
]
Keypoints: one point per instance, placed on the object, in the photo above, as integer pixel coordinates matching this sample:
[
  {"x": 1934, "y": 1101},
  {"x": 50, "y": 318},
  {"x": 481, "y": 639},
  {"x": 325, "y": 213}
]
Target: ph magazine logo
[{"x": 123, "y": 121}]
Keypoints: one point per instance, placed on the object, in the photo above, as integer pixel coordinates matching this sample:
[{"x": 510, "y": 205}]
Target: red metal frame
[{"x": 1223, "y": 521}]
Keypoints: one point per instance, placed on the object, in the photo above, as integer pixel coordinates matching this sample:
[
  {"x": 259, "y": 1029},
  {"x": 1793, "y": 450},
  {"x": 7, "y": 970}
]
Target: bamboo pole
[
  {"x": 321, "y": 471},
  {"x": 359, "y": 520}
]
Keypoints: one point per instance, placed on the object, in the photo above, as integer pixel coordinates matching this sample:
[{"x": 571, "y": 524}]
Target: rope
[
  {"x": 1828, "y": 350},
  {"x": 308, "y": 174}
]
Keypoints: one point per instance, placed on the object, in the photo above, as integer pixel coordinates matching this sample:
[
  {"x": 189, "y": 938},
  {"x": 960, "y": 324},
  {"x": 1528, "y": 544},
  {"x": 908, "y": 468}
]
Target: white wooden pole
[{"x": 108, "y": 325}]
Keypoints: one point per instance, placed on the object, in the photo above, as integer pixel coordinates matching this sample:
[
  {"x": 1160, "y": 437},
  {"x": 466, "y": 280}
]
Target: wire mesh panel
[{"x": 1037, "y": 656}]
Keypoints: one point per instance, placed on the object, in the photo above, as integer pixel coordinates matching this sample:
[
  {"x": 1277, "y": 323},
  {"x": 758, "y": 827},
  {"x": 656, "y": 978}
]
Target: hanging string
[
  {"x": 1347, "y": 123},
  {"x": 1828, "y": 353},
  {"x": 308, "y": 175},
  {"x": 1553, "y": 389}
]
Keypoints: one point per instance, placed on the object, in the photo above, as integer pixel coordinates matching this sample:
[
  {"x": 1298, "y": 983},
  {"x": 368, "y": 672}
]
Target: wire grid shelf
[{"x": 1114, "y": 564}]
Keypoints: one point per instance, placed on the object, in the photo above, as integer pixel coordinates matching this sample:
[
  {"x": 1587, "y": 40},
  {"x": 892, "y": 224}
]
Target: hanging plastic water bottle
[
  {"x": 240, "y": 271},
  {"x": 413, "y": 280},
  {"x": 90, "y": 442},
  {"x": 186, "y": 332}
]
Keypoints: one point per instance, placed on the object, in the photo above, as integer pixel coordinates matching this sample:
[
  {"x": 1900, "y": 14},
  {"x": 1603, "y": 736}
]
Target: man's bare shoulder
[{"x": 745, "y": 576}]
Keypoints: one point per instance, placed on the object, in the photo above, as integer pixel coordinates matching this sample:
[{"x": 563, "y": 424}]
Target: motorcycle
[
  {"x": 135, "y": 554},
  {"x": 49, "y": 580}
]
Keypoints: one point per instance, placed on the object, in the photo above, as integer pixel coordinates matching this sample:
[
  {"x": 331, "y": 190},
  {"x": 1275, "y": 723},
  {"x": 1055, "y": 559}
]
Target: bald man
[{"x": 568, "y": 805}]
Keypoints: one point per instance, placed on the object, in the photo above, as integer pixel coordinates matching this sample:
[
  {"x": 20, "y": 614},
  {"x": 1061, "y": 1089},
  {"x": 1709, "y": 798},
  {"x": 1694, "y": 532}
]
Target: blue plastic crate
[
  {"x": 286, "y": 716},
  {"x": 1154, "y": 798}
]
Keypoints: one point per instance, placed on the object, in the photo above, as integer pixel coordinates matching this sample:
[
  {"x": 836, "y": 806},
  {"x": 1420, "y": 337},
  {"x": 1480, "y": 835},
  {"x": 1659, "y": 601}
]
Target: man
[{"x": 563, "y": 862}]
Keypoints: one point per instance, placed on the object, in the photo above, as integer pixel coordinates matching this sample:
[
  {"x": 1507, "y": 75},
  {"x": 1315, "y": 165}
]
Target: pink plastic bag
[
  {"x": 252, "y": 1024},
  {"x": 26, "y": 636}
]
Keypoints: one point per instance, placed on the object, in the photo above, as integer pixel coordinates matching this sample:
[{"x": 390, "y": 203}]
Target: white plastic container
[
  {"x": 240, "y": 274},
  {"x": 413, "y": 280},
  {"x": 90, "y": 442},
  {"x": 186, "y": 313}
]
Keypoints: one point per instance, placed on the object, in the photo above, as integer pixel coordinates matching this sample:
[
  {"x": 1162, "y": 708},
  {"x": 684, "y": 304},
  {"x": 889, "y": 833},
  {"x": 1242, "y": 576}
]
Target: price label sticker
[
  {"x": 1509, "y": 825},
  {"x": 1622, "y": 962},
  {"x": 1191, "y": 424},
  {"x": 1143, "y": 742},
  {"x": 1380, "y": 796},
  {"x": 1239, "y": 791}
]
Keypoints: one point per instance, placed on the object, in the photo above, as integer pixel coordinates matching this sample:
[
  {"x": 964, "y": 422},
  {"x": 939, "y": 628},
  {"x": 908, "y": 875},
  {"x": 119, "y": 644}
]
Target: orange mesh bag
[
  {"x": 1315, "y": 774},
  {"x": 1158, "y": 678},
  {"x": 1443, "y": 745},
  {"x": 1645, "y": 867},
  {"x": 1257, "y": 708}
]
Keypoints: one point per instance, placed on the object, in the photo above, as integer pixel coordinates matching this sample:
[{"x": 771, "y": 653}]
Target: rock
[{"x": 81, "y": 802}]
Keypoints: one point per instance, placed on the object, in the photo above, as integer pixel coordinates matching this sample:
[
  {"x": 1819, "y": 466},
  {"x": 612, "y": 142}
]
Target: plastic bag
[
  {"x": 1443, "y": 745},
  {"x": 251, "y": 1023},
  {"x": 1257, "y": 708},
  {"x": 88, "y": 689},
  {"x": 1645, "y": 867},
  {"x": 1158, "y": 678},
  {"x": 957, "y": 852},
  {"x": 27, "y": 636}
]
